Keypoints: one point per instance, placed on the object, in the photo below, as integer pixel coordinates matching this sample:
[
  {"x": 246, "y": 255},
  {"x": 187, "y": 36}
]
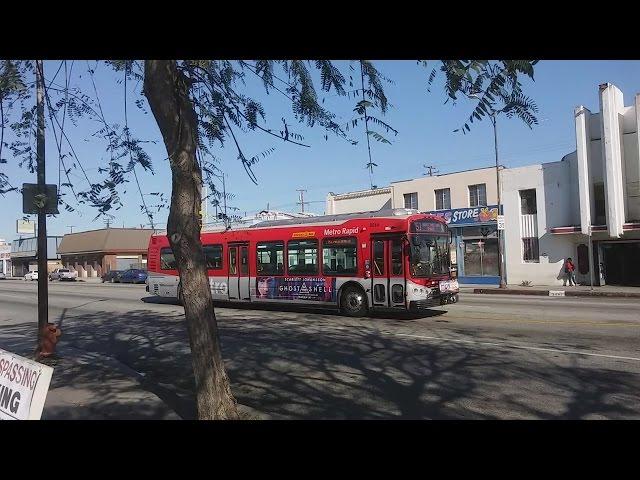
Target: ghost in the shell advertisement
[{"x": 297, "y": 288}]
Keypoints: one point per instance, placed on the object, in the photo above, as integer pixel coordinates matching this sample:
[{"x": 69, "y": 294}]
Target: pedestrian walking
[{"x": 569, "y": 273}]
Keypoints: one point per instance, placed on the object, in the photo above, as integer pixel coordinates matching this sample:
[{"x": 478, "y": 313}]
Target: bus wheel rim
[{"x": 354, "y": 301}]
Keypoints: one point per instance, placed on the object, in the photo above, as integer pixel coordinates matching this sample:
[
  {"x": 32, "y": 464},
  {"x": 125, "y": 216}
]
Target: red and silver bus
[{"x": 393, "y": 259}]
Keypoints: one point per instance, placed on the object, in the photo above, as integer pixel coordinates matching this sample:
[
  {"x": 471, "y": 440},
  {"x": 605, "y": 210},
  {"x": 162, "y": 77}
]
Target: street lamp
[{"x": 493, "y": 115}]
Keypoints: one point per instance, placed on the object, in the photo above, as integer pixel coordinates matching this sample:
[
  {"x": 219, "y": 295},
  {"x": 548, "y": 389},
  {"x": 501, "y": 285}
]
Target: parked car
[
  {"x": 2, "y": 276},
  {"x": 63, "y": 274},
  {"x": 31, "y": 275},
  {"x": 133, "y": 275},
  {"x": 112, "y": 277}
]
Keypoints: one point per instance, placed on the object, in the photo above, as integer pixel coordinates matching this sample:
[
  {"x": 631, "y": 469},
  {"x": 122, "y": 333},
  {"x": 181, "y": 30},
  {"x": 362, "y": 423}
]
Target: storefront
[
  {"x": 615, "y": 260},
  {"x": 96, "y": 252},
  {"x": 24, "y": 258},
  {"x": 475, "y": 243}
]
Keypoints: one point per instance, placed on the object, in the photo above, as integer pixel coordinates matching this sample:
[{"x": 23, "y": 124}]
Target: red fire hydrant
[{"x": 49, "y": 338}]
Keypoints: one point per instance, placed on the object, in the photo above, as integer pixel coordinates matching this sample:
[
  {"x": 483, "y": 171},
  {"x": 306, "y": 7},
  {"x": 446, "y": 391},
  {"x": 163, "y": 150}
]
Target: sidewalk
[
  {"x": 612, "y": 291},
  {"x": 89, "y": 386},
  {"x": 92, "y": 386}
]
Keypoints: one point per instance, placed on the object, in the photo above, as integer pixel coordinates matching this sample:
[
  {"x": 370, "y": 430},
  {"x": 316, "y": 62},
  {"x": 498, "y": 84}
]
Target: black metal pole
[{"x": 43, "y": 277}]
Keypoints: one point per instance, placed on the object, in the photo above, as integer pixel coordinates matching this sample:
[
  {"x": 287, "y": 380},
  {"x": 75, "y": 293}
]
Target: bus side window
[
  {"x": 396, "y": 257},
  {"x": 244, "y": 261},
  {"x": 233, "y": 266},
  {"x": 378, "y": 257},
  {"x": 270, "y": 258},
  {"x": 213, "y": 256},
  {"x": 339, "y": 256},
  {"x": 167, "y": 259}
]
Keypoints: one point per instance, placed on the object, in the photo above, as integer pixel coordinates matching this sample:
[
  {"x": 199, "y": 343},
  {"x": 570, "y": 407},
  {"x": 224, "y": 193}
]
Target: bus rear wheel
[{"x": 353, "y": 302}]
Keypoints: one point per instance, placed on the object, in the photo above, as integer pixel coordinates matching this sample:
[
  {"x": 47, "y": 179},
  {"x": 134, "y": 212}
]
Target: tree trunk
[{"x": 167, "y": 91}]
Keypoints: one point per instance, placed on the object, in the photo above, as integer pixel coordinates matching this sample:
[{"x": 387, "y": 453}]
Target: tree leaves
[{"x": 494, "y": 84}]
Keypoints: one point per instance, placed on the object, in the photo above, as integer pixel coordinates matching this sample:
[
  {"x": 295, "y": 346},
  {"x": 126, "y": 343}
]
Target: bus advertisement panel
[{"x": 322, "y": 289}]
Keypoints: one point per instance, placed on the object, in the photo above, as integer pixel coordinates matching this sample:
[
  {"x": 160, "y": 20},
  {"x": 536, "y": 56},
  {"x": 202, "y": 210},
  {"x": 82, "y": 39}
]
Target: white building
[
  {"x": 552, "y": 209},
  {"x": 5, "y": 257},
  {"x": 467, "y": 200}
]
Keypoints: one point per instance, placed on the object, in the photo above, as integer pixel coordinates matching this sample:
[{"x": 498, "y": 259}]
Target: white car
[
  {"x": 63, "y": 274},
  {"x": 31, "y": 275}
]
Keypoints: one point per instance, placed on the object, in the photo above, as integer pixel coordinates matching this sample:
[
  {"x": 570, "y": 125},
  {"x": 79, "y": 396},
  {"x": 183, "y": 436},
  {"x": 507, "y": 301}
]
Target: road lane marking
[
  {"x": 505, "y": 345},
  {"x": 520, "y": 320}
]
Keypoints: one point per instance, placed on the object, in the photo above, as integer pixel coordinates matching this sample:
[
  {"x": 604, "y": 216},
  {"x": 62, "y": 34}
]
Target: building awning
[
  {"x": 106, "y": 240},
  {"x": 594, "y": 228}
]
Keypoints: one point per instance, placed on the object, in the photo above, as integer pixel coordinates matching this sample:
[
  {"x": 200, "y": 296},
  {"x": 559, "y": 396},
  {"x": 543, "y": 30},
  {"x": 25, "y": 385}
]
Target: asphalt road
[{"x": 487, "y": 357}]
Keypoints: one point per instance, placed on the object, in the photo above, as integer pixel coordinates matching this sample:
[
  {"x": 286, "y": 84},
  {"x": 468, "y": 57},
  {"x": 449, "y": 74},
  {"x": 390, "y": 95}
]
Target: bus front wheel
[{"x": 353, "y": 302}]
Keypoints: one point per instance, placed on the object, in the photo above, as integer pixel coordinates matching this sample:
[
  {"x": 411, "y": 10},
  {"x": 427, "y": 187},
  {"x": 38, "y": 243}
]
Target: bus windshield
[{"x": 429, "y": 255}]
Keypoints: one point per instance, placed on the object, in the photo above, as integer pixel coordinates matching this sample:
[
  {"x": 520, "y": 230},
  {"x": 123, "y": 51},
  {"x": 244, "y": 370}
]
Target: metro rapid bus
[{"x": 389, "y": 259}]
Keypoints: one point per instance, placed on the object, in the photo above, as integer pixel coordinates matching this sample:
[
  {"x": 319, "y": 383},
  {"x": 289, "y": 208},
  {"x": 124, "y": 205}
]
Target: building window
[
  {"x": 528, "y": 204},
  {"x": 598, "y": 203},
  {"x": 303, "y": 257},
  {"x": 530, "y": 250},
  {"x": 443, "y": 199},
  {"x": 411, "y": 200},
  {"x": 213, "y": 256},
  {"x": 339, "y": 256},
  {"x": 167, "y": 260},
  {"x": 270, "y": 256},
  {"x": 478, "y": 195}
]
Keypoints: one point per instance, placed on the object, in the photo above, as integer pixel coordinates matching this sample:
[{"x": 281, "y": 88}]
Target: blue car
[{"x": 133, "y": 275}]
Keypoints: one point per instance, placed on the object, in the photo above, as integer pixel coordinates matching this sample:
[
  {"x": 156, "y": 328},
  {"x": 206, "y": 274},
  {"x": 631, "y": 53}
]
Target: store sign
[
  {"x": 468, "y": 216},
  {"x": 23, "y": 387},
  {"x": 25, "y": 227},
  {"x": 500, "y": 222}
]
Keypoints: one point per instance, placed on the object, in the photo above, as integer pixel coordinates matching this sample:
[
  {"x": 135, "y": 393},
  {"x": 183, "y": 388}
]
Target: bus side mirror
[{"x": 450, "y": 237}]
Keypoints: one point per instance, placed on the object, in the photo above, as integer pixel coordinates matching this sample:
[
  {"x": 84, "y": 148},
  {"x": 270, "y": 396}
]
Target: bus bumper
[{"x": 420, "y": 305}]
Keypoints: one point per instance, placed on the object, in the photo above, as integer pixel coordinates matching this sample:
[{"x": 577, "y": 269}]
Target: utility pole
[
  {"x": 501, "y": 266},
  {"x": 43, "y": 275},
  {"x": 431, "y": 170},
  {"x": 301, "y": 202},
  {"x": 224, "y": 196},
  {"x": 71, "y": 228},
  {"x": 500, "y": 234}
]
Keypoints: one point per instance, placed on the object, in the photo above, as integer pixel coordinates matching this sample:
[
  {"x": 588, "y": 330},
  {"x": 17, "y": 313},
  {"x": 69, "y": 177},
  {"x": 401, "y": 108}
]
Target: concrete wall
[
  {"x": 361, "y": 201},
  {"x": 552, "y": 182},
  {"x": 457, "y": 182},
  {"x": 608, "y": 152}
]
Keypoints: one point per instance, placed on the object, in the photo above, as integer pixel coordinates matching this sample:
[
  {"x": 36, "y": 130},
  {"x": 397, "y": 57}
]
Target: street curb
[{"x": 567, "y": 293}]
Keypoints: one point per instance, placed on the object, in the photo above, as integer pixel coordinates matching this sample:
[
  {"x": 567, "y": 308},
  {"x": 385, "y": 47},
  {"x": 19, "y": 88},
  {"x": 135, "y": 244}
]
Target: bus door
[
  {"x": 239, "y": 272},
  {"x": 388, "y": 278}
]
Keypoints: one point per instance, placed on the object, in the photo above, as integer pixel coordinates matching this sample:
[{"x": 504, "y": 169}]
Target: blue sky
[{"x": 424, "y": 122}]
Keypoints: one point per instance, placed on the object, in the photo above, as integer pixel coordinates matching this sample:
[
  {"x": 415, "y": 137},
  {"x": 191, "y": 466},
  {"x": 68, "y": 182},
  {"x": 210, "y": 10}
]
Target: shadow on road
[
  {"x": 310, "y": 309},
  {"x": 299, "y": 365}
]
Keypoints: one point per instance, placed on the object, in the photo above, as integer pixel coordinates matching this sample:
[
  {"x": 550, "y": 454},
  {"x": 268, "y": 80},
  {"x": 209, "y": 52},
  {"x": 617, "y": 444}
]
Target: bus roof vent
[{"x": 405, "y": 211}]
